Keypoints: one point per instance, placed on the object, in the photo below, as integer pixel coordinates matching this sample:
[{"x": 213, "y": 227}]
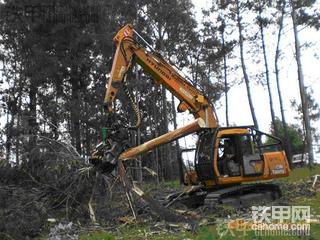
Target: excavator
[{"x": 232, "y": 165}]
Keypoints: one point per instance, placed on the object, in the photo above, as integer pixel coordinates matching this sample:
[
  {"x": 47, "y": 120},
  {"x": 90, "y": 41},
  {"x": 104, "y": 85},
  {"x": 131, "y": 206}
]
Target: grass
[
  {"x": 211, "y": 233},
  {"x": 175, "y": 184},
  {"x": 139, "y": 232},
  {"x": 314, "y": 203},
  {"x": 135, "y": 232},
  {"x": 303, "y": 173},
  {"x": 172, "y": 184},
  {"x": 97, "y": 235},
  {"x": 143, "y": 231}
]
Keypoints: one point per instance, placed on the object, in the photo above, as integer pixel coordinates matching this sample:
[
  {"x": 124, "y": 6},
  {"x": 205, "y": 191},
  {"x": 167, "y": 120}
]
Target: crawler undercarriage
[{"x": 237, "y": 196}]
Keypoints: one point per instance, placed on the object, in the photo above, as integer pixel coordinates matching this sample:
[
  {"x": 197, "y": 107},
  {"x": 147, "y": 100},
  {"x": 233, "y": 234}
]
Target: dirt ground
[{"x": 200, "y": 223}]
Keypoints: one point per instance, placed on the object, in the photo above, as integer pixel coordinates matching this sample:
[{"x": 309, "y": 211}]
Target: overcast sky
[{"x": 239, "y": 111}]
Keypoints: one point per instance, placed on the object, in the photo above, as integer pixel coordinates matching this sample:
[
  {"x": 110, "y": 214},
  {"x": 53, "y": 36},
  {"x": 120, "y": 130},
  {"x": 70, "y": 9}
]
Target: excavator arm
[{"x": 128, "y": 49}]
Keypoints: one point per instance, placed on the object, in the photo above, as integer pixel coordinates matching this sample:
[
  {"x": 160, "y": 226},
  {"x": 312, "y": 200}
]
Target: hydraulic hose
[{"x": 132, "y": 103}]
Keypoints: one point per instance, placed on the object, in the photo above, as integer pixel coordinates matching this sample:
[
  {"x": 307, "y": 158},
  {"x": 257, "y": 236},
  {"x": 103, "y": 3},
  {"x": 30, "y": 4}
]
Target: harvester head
[{"x": 115, "y": 140}]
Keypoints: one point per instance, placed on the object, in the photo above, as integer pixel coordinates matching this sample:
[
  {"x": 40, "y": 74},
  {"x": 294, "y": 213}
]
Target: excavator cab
[{"x": 240, "y": 154}]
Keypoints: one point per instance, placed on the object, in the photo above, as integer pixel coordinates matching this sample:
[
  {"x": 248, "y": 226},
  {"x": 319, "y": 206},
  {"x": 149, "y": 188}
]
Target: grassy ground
[
  {"x": 303, "y": 173},
  {"x": 143, "y": 231},
  {"x": 205, "y": 233}
]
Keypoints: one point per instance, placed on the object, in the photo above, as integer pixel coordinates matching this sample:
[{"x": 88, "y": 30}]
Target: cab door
[
  {"x": 204, "y": 156},
  {"x": 229, "y": 155},
  {"x": 238, "y": 156},
  {"x": 253, "y": 161}
]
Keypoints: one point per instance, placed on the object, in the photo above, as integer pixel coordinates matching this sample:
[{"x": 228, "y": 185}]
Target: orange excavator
[{"x": 227, "y": 159}]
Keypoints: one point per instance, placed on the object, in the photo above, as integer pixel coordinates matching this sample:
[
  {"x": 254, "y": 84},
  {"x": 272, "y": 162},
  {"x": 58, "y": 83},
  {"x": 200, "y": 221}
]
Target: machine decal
[
  {"x": 279, "y": 169},
  {"x": 121, "y": 72},
  {"x": 185, "y": 93}
]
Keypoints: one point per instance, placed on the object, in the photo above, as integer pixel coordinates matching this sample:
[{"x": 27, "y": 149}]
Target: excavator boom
[{"x": 128, "y": 49}]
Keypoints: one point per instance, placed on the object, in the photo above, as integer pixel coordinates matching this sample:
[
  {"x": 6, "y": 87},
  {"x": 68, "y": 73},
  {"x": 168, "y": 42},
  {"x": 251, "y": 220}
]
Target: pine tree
[
  {"x": 281, "y": 8},
  {"x": 303, "y": 95},
  {"x": 238, "y": 8}
]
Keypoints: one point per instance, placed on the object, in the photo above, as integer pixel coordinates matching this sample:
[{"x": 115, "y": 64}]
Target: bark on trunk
[
  {"x": 244, "y": 68},
  {"x": 8, "y": 135},
  {"x": 304, "y": 99},
  {"x": 175, "y": 162},
  {"x": 268, "y": 78},
  {"x": 139, "y": 162},
  {"x": 163, "y": 139},
  {"x": 276, "y": 65},
  {"x": 225, "y": 79},
  {"x": 32, "y": 121},
  {"x": 75, "y": 110},
  {"x": 166, "y": 150}
]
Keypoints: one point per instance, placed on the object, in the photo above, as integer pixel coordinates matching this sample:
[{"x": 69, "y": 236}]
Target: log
[
  {"x": 163, "y": 139},
  {"x": 127, "y": 186},
  {"x": 157, "y": 208}
]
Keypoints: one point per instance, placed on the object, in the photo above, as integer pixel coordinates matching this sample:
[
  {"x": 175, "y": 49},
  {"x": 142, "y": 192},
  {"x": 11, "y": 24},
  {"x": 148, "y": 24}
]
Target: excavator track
[
  {"x": 237, "y": 196},
  {"x": 243, "y": 195}
]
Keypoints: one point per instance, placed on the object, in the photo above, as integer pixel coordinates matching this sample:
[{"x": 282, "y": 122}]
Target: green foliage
[
  {"x": 175, "y": 184},
  {"x": 101, "y": 235},
  {"x": 294, "y": 133},
  {"x": 305, "y": 17},
  {"x": 314, "y": 112},
  {"x": 60, "y": 65}
]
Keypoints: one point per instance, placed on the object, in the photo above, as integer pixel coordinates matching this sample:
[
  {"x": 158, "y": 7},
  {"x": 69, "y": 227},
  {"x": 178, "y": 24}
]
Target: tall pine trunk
[
  {"x": 9, "y": 126},
  {"x": 176, "y": 161},
  {"x": 276, "y": 65},
  {"x": 267, "y": 75},
  {"x": 32, "y": 118},
  {"x": 302, "y": 88},
  {"x": 155, "y": 133},
  {"x": 225, "y": 76},
  {"x": 166, "y": 149},
  {"x": 75, "y": 110},
  {"x": 18, "y": 123},
  {"x": 138, "y": 137},
  {"x": 244, "y": 68}
]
